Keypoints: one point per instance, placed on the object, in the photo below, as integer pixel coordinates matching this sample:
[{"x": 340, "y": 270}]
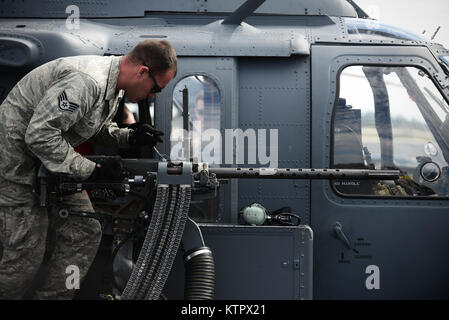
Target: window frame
[
  {"x": 222, "y": 103},
  {"x": 332, "y": 131}
]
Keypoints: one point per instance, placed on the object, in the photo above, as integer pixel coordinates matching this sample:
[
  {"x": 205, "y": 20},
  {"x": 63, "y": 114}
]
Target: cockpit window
[
  {"x": 360, "y": 27},
  {"x": 392, "y": 118}
]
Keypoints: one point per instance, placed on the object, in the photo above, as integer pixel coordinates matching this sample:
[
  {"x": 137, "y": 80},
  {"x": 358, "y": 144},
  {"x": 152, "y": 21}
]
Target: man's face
[{"x": 143, "y": 84}]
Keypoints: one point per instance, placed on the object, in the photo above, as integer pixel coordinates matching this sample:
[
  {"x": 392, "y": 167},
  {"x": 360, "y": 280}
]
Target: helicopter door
[{"x": 380, "y": 239}]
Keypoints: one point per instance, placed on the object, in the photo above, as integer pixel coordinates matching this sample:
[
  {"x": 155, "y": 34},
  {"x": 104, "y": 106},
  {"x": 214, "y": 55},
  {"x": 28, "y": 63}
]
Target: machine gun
[
  {"x": 138, "y": 178},
  {"x": 160, "y": 194}
]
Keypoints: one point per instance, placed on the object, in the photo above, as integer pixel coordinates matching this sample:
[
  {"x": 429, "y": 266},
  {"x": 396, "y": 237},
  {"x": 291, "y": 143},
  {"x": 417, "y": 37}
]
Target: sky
[{"x": 415, "y": 16}]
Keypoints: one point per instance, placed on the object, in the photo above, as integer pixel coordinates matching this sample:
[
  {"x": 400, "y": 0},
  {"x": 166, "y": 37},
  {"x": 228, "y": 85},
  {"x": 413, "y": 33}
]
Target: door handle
[{"x": 338, "y": 230}]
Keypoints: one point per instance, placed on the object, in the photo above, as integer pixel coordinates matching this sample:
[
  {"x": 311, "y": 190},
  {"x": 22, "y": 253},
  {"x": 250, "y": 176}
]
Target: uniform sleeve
[
  {"x": 63, "y": 105},
  {"x": 111, "y": 134}
]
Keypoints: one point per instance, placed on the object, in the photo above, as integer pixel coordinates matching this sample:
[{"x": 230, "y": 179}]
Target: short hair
[{"x": 159, "y": 55}]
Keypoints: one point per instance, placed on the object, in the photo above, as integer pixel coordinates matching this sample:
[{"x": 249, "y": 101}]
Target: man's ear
[{"x": 142, "y": 70}]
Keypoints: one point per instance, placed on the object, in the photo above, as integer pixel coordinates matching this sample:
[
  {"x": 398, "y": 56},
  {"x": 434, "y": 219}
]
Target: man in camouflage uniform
[{"x": 54, "y": 108}]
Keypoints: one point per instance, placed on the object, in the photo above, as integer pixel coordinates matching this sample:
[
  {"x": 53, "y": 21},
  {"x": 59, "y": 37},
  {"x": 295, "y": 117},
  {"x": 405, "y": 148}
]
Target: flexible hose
[{"x": 200, "y": 275}]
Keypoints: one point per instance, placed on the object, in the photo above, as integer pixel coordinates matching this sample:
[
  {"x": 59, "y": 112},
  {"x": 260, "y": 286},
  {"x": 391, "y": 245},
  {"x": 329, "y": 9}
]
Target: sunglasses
[{"x": 156, "y": 88}]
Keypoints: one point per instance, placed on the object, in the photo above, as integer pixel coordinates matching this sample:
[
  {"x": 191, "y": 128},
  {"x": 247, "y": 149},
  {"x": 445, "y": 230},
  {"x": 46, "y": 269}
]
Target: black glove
[
  {"x": 107, "y": 169},
  {"x": 143, "y": 134}
]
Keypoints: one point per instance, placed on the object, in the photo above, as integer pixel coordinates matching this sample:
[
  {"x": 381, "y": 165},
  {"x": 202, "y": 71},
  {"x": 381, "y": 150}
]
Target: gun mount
[{"x": 156, "y": 215}]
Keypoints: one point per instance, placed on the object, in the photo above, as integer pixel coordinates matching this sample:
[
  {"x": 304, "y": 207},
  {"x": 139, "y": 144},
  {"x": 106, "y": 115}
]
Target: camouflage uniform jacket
[{"x": 54, "y": 108}]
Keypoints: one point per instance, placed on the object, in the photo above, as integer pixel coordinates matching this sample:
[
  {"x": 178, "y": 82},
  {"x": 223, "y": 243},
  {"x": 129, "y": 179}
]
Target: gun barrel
[{"x": 297, "y": 173}]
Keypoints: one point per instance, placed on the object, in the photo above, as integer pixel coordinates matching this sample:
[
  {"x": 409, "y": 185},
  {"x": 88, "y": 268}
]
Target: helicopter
[{"x": 308, "y": 149}]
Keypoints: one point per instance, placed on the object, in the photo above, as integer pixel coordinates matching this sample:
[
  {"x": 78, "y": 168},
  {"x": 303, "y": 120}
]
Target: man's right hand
[{"x": 106, "y": 169}]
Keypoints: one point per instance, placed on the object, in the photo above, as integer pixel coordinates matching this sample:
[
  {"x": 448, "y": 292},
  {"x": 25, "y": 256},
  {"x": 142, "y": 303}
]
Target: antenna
[
  {"x": 360, "y": 13},
  {"x": 436, "y": 31},
  {"x": 243, "y": 12}
]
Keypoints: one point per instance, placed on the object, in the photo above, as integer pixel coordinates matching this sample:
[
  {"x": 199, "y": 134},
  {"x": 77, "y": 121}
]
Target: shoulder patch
[{"x": 65, "y": 104}]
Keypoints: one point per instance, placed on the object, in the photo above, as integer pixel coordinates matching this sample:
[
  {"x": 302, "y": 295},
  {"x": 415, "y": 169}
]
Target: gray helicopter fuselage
[{"x": 293, "y": 70}]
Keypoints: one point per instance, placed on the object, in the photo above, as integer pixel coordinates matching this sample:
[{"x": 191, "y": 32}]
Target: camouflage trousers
[{"x": 23, "y": 234}]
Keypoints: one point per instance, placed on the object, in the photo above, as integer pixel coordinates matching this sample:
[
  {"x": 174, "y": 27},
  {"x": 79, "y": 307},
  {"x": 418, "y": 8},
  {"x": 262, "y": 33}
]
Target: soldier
[{"x": 54, "y": 108}]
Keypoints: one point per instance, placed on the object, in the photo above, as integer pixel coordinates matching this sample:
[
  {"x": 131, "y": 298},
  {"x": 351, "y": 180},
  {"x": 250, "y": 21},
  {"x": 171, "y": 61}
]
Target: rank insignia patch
[{"x": 65, "y": 104}]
